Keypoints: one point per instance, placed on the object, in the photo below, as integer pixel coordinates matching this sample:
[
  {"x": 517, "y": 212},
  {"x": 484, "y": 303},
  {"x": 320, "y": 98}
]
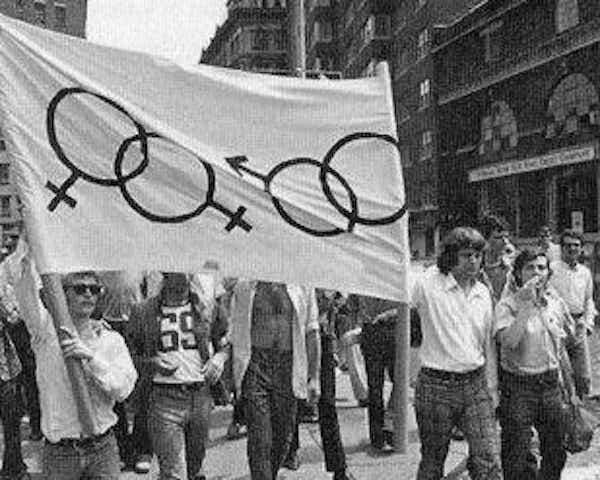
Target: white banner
[{"x": 128, "y": 161}]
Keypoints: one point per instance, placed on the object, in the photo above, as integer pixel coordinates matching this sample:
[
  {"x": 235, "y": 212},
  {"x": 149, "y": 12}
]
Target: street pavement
[{"x": 226, "y": 460}]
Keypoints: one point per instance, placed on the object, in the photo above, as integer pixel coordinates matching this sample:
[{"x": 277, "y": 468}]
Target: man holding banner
[{"x": 110, "y": 377}]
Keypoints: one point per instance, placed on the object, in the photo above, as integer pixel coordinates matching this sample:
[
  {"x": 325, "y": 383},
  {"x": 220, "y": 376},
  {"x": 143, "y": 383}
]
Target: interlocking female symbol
[{"x": 121, "y": 179}]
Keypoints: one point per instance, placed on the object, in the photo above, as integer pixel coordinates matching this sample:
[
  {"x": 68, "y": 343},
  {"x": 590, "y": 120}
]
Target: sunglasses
[{"x": 82, "y": 288}]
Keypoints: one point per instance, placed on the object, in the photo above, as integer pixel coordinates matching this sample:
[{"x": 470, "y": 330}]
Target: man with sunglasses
[{"x": 108, "y": 370}]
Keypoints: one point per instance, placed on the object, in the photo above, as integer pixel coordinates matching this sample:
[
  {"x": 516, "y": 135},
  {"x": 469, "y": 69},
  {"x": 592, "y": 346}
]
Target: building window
[
  {"x": 39, "y": 13},
  {"x": 567, "y": 15},
  {"x": 423, "y": 44},
  {"x": 573, "y": 103},
  {"x": 322, "y": 32},
  {"x": 260, "y": 39},
  {"x": 382, "y": 26},
  {"x": 20, "y": 9},
  {"x": 60, "y": 16},
  {"x": 428, "y": 195},
  {"x": 492, "y": 41},
  {"x": 426, "y": 145},
  {"x": 4, "y": 173},
  {"x": 498, "y": 129},
  {"x": 280, "y": 39},
  {"x": 424, "y": 94},
  {"x": 4, "y": 206}
]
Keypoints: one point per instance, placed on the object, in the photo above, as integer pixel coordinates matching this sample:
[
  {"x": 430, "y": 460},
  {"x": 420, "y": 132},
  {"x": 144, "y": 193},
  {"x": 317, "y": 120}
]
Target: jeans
[
  {"x": 270, "y": 410},
  {"x": 528, "y": 401},
  {"x": 178, "y": 423},
  {"x": 378, "y": 346},
  {"x": 579, "y": 355},
  {"x": 461, "y": 400},
  {"x": 10, "y": 414},
  {"x": 97, "y": 460}
]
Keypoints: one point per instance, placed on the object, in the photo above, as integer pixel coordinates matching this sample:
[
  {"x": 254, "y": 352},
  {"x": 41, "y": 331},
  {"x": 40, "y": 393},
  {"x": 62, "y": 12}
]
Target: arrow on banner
[{"x": 237, "y": 163}]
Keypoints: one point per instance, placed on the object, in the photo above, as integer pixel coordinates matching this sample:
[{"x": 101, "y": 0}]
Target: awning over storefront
[{"x": 513, "y": 167}]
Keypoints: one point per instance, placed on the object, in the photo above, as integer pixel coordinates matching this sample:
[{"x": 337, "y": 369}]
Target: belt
[
  {"x": 451, "y": 376},
  {"x": 182, "y": 387},
  {"x": 548, "y": 378},
  {"x": 85, "y": 442},
  {"x": 272, "y": 351}
]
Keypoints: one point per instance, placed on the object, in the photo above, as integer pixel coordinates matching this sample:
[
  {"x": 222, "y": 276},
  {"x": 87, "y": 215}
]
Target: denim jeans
[
  {"x": 525, "y": 402},
  {"x": 462, "y": 401},
  {"x": 178, "y": 423},
  {"x": 10, "y": 414},
  {"x": 270, "y": 410},
  {"x": 579, "y": 355},
  {"x": 98, "y": 460}
]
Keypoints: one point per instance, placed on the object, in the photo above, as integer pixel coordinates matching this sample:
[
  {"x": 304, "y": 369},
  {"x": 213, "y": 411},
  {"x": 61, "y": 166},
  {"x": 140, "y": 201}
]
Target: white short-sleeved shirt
[
  {"x": 576, "y": 287},
  {"x": 455, "y": 326}
]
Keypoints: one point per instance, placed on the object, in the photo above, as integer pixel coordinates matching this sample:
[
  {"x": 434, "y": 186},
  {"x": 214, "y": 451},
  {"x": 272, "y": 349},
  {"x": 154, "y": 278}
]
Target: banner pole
[
  {"x": 297, "y": 37},
  {"x": 401, "y": 379},
  {"x": 57, "y": 305}
]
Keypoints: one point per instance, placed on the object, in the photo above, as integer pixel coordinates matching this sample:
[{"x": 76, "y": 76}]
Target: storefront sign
[{"x": 504, "y": 169}]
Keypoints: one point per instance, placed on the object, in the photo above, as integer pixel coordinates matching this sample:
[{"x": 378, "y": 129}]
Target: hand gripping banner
[{"x": 125, "y": 161}]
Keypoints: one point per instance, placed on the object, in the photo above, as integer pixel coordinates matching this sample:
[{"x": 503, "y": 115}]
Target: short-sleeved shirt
[
  {"x": 456, "y": 326},
  {"x": 575, "y": 286},
  {"x": 536, "y": 350}
]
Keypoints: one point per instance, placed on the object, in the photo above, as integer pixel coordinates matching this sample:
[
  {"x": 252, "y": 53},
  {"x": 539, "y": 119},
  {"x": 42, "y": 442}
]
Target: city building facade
[
  {"x": 519, "y": 115},
  {"x": 253, "y": 37},
  {"x": 68, "y": 17},
  {"x": 414, "y": 23}
]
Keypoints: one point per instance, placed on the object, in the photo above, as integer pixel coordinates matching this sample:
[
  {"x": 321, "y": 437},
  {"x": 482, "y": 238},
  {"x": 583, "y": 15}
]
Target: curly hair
[
  {"x": 528, "y": 254},
  {"x": 459, "y": 238},
  {"x": 571, "y": 233}
]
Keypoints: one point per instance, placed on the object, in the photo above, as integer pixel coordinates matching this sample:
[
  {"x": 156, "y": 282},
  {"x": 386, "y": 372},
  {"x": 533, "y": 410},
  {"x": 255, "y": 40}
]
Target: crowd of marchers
[{"x": 502, "y": 336}]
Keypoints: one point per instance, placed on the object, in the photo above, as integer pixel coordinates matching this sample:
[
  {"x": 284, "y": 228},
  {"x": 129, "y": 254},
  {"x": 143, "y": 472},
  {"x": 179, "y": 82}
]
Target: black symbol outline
[
  {"x": 235, "y": 218},
  {"x": 288, "y": 219},
  {"x": 326, "y": 170}
]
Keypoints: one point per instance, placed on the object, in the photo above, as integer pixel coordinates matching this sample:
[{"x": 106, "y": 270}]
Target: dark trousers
[
  {"x": 443, "y": 401},
  {"x": 140, "y": 437},
  {"x": 379, "y": 349},
  {"x": 335, "y": 458},
  {"x": 27, "y": 381},
  {"x": 528, "y": 401},
  {"x": 270, "y": 407},
  {"x": 10, "y": 415}
]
